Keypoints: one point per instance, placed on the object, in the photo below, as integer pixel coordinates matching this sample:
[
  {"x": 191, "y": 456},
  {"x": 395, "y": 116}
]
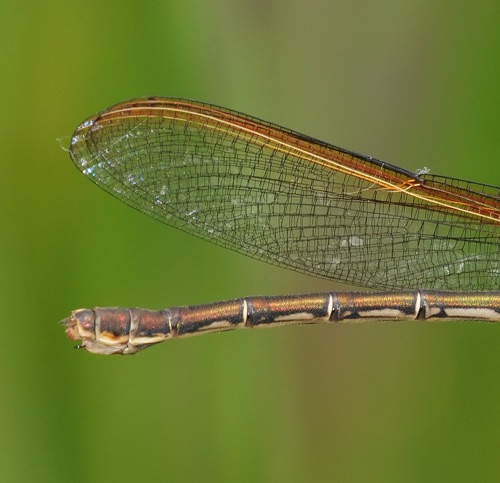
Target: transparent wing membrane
[{"x": 292, "y": 201}]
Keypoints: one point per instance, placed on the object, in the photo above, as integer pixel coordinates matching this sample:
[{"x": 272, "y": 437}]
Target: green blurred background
[{"x": 413, "y": 83}]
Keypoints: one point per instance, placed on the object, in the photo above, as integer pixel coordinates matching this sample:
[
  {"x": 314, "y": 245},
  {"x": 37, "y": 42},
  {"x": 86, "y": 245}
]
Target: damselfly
[{"x": 292, "y": 201}]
